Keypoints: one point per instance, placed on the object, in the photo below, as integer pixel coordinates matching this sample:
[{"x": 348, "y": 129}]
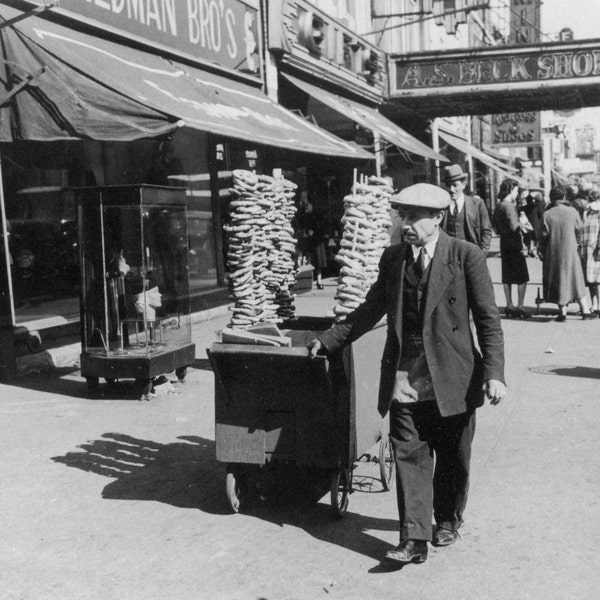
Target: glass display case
[{"x": 135, "y": 297}]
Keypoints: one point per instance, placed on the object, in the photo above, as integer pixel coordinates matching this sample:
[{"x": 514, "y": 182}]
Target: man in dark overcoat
[
  {"x": 432, "y": 375},
  {"x": 466, "y": 217}
]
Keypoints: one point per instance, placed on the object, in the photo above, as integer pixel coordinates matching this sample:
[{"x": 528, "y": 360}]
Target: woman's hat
[{"x": 454, "y": 173}]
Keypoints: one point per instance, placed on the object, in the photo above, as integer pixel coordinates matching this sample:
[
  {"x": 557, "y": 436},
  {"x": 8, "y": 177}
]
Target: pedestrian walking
[
  {"x": 311, "y": 227},
  {"x": 562, "y": 274},
  {"x": 433, "y": 378},
  {"x": 526, "y": 209},
  {"x": 536, "y": 216},
  {"x": 467, "y": 217},
  {"x": 514, "y": 265},
  {"x": 589, "y": 247}
]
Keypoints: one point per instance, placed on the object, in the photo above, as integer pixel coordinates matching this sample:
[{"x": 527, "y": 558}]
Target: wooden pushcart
[{"x": 275, "y": 404}]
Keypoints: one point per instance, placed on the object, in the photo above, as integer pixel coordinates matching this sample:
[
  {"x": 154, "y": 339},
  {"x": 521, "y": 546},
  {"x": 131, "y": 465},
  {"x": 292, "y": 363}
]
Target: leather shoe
[
  {"x": 408, "y": 551},
  {"x": 444, "y": 537}
]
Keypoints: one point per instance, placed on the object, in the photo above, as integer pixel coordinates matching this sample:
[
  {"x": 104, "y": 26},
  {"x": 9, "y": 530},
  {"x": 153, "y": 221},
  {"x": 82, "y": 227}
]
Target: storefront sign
[
  {"x": 522, "y": 128},
  {"x": 223, "y": 32},
  {"x": 311, "y": 40},
  {"x": 555, "y": 64},
  {"x": 516, "y": 129}
]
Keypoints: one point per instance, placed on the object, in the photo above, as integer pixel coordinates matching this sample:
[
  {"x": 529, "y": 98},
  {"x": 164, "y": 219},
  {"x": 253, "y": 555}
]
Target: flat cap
[{"x": 423, "y": 195}]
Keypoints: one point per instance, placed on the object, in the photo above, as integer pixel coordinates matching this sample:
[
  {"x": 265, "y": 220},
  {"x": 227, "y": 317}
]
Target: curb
[{"x": 67, "y": 356}]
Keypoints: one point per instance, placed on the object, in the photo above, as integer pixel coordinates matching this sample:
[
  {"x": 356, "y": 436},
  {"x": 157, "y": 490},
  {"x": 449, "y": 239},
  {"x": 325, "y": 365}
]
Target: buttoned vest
[
  {"x": 455, "y": 225},
  {"x": 414, "y": 291}
]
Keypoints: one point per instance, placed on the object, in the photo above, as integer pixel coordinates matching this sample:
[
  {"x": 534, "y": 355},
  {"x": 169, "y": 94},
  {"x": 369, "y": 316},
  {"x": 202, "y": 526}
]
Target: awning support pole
[
  {"x": 470, "y": 163},
  {"x": 34, "y": 11},
  {"x": 8, "y": 364},
  {"x": 435, "y": 143},
  {"x": 21, "y": 85}
]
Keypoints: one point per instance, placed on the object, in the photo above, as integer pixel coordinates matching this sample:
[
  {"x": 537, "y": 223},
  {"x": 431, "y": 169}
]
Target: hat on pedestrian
[
  {"x": 422, "y": 195},
  {"x": 454, "y": 173}
]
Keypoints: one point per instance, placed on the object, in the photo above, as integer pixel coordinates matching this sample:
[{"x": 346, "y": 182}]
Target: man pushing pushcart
[{"x": 433, "y": 377}]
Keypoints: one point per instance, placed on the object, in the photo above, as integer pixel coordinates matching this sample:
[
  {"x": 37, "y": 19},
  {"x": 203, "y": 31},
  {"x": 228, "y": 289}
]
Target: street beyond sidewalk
[{"x": 115, "y": 499}]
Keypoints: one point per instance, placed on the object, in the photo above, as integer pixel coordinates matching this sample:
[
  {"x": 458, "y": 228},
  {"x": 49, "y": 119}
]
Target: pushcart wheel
[
  {"x": 341, "y": 485},
  {"x": 235, "y": 487},
  {"x": 386, "y": 463},
  {"x": 180, "y": 373}
]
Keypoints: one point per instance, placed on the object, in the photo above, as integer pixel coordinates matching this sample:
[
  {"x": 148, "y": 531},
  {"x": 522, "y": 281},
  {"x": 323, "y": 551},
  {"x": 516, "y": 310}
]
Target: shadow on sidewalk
[
  {"x": 62, "y": 380},
  {"x": 567, "y": 371},
  {"x": 355, "y": 532},
  {"x": 68, "y": 382},
  {"x": 296, "y": 496},
  {"x": 185, "y": 474}
]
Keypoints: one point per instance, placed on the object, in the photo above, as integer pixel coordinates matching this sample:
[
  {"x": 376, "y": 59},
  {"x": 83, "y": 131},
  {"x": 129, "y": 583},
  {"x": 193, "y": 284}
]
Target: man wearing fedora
[
  {"x": 432, "y": 376},
  {"x": 467, "y": 217}
]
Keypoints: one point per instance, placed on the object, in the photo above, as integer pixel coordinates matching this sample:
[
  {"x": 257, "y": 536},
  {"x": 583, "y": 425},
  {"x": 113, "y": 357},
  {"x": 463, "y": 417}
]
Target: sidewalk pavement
[{"x": 111, "y": 498}]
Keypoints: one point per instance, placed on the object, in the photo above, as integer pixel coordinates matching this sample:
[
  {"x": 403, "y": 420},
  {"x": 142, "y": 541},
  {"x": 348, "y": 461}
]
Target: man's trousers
[{"x": 432, "y": 455}]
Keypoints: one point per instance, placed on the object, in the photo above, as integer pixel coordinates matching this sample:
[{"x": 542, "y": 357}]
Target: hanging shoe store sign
[
  {"x": 516, "y": 129},
  {"x": 217, "y": 31}
]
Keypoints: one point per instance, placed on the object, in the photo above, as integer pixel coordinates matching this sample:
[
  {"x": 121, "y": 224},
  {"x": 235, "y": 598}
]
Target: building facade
[{"x": 106, "y": 94}]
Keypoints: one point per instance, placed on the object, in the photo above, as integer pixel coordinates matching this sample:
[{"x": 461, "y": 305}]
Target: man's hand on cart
[{"x": 315, "y": 348}]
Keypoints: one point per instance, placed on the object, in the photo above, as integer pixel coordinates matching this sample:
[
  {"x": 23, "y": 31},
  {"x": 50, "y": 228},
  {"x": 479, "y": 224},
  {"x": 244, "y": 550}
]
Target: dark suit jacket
[
  {"x": 478, "y": 228},
  {"x": 459, "y": 281}
]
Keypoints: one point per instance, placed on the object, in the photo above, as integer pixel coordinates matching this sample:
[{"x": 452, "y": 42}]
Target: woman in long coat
[{"x": 563, "y": 279}]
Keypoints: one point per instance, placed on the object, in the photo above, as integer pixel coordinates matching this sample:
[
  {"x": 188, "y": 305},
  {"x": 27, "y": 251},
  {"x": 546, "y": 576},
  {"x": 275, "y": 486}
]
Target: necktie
[
  {"x": 454, "y": 209},
  {"x": 420, "y": 262}
]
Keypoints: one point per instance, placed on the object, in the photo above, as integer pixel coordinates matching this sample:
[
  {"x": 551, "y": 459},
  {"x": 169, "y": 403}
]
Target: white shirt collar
[
  {"x": 460, "y": 202},
  {"x": 429, "y": 249}
]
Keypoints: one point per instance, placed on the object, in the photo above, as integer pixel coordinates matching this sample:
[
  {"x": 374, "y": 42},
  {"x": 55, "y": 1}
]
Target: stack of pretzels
[
  {"x": 280, "y": 276},
  {"x": 261, "y": 248},
  {"x": 366, "y": 224}
]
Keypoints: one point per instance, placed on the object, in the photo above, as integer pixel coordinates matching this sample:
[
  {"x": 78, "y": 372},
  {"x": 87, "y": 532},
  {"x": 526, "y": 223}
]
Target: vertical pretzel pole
[{"x": 354, "y": 196}]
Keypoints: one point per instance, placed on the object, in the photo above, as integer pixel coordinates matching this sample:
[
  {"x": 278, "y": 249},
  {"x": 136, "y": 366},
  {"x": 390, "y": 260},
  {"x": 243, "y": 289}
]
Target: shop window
[
  {"x": 43, "y": 252},
  {"x": 183, "y": 162},
  {"x": 200, "y": 224}
]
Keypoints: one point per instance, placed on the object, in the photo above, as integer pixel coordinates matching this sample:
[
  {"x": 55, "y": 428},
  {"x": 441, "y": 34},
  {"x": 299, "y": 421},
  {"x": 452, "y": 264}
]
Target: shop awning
[
  {"x": 369, "y": 118},
  {"x": 45, "y": 99},
  {"x": 466, "y": 148},
  {"x": 497, "y": 155},
  {"x": 128, "y": 93}
]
